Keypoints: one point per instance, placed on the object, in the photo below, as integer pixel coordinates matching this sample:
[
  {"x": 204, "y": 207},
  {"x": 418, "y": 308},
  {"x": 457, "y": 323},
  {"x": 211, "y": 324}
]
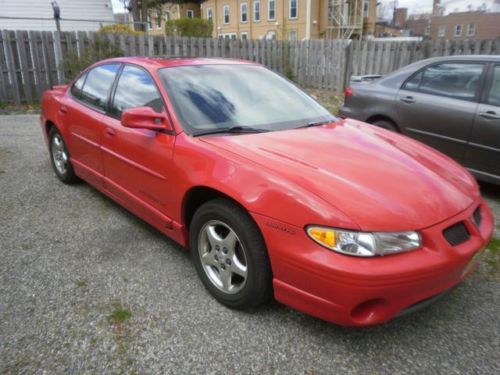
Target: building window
[
  {"x": 270, "y": 35},
  {"x": 168, "y": 16},
  {"x": 441, "y": 31},
  {"x": 150, "y": 22},
  {"x": 227, "y": 36},
  {"x": 471, "y": 29},
  {"x": 244, "y": 35},
  {"x": 458, "y": 30},
  {"x": 256, "y": 10},
  {"x": 210, "y": 14},
  {"x": 271, "y": 10},
  {"x": 365, "y": 9},
  {"x": 243, "y": 12},
  {"x": 158, "y": 19},
  {"x": 226, "y": 13},
  {"x": 292, "y": 9},
  {"x": 190, "y": 13},
  {"x": 292, "y": 35}
]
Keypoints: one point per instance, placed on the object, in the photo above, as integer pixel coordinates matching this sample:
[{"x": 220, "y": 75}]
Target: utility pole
[{"x": 57, "y": 15}]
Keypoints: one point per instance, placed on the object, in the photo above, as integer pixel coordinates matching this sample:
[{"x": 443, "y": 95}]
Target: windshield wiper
[
  {"x": 315, "y": 123},
  {"x": 233, "y": 129}
]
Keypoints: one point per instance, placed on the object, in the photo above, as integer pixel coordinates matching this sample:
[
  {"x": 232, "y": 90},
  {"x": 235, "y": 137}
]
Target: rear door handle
[
  {"x": 408, "y": 99},
  {"x": 110, "y": 131},
  {"x": 490, "y": 115}
]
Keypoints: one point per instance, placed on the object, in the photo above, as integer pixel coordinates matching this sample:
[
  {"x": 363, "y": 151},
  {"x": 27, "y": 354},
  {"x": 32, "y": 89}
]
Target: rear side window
[
  {"x": 98, "y": 85},
  {"x": 494, "y": 94},
  {"x": 136, "y": 88},
  {"x": 76, "y": 89},
  {"x": 454, "y": 80}
]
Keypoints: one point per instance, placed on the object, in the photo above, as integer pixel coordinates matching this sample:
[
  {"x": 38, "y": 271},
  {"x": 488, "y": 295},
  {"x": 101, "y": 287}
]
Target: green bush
[
  {"x": 119, "y": 28},
  {"x": 101, "y": 48},
  {"x": 195, "y": 27}
]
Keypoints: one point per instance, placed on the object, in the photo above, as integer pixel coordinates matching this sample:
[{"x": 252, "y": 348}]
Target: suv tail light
[{"x": 348, "y": 91}]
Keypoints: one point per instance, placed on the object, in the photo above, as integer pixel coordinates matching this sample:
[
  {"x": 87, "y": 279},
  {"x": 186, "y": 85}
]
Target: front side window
[
  {"x": 454, "y": 80},
  {"x": 271, "y": 10},
  {"x": 494, "y": 94},
  {"x": 226, "y": 13},
  {"x": 136, "y": 88},
  {"x": 256, "y": 10},
  {"x": 209, "y": 98},
  {"x": 458, "y": 30},
  {"x": 292, "y": 9},
  {"x": 243, "y": 12},
  {"x": 98, "y": 85}
]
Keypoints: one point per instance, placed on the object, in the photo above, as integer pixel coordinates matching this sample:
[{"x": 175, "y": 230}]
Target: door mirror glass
[{"x": 145, "y": 118}]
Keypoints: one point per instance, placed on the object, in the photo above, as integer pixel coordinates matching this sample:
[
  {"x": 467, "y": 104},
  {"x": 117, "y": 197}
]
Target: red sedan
[{"x": 273, "y": 195}]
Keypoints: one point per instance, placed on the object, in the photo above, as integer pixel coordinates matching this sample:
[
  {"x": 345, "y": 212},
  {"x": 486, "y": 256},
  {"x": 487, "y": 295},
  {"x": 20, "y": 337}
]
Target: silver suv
[{"x": 450, "y": 103}]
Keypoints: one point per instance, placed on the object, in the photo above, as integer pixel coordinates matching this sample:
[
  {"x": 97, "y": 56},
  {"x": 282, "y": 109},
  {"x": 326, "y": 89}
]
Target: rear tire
[
  {"x": 386, "y": 124},
  {"x": 230, "y": 255},
  {"x": 60, "y": 158}
]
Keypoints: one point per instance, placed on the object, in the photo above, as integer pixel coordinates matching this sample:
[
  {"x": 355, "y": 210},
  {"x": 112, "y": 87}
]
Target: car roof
[
  {"x": 166, "y": 62},
  {"x": 464, "y": 58}
]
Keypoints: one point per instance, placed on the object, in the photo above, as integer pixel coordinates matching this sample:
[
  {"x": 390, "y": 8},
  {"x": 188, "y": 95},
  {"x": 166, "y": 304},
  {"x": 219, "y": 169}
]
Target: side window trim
[
  {"x": 482, "y": 78},
  {"x": 115, "y": 85},
  {"x": 86, "y": 72}
]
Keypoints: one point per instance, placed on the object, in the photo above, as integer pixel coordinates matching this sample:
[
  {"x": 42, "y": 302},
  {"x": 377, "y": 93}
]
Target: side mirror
[{"x": 145, "y": 118}]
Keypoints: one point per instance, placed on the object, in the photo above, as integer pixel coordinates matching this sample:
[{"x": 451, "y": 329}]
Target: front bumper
[{"x": 356, "y": 291}]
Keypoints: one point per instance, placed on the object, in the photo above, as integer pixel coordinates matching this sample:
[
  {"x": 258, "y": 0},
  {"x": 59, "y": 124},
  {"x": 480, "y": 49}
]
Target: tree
[{"x": 195, "y": 27}]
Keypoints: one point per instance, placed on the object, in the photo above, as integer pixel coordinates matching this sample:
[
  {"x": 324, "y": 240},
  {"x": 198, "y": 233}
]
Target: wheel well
[
  {"x": 372, "y": 119},
  {"x": 48, "y": 125},
  {"x": 196, "y": 197}
]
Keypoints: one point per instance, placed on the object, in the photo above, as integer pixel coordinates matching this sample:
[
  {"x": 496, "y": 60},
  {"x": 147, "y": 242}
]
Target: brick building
[{"x": 466, "y": 25}]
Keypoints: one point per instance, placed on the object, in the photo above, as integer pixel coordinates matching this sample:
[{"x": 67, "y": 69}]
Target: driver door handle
[
  {"x": 490, "y": 115},
  {"x": 110, "y": 131},
  {"x": 408, "y": 99}
]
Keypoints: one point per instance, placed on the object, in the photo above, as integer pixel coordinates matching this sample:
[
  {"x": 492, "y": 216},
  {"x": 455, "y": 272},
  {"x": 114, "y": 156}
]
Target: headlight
[{"x": 364, "y": 244}]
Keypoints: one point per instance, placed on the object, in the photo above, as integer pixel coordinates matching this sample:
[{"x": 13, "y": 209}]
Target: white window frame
[
  {"x": 210, "y": 14},
  {"x": 190, "y": 12},
  {"x": 241, "y": 12},
  {"x": 366, "y": 8},
  {"x": 471, "y": 26},
  {"x": 441, "y": 31},
  {"x": 158, "y": 17},
  {"x": 224, "y": 14},
  {"x": 458, "y": 27},
  {"x": 149, "y": 20},
  {"x": 269, "y": 10},
  {"x": 292, "y": 32},
  {"x": 245, "y": 33},
  {"x": 255, "y": 3},
  {"x": 290, "y": 9},
  {"x": 231, "y": 36},
  {"x": 168, "y": 15}
]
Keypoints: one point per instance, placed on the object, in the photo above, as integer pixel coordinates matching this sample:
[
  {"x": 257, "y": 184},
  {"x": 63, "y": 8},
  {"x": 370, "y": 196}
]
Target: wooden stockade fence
[{"x": 31, "y": 61}]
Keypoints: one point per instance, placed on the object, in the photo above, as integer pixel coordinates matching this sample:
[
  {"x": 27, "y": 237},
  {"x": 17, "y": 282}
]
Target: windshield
[{"x": 211, "y": 98}]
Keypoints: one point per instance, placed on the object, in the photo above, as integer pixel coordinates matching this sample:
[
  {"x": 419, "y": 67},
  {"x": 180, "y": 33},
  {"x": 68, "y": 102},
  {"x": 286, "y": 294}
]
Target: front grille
[
  {"x": 456, "y": 234},
  {"x": 477, "y": 216}
]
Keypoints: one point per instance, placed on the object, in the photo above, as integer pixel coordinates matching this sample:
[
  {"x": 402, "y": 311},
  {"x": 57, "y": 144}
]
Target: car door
[
  {"x": 483, "y": 152},
  {"x": 437, "y": 105},
  {"x": 137, "y": 162},
  {"x": 83, "y": 113}
]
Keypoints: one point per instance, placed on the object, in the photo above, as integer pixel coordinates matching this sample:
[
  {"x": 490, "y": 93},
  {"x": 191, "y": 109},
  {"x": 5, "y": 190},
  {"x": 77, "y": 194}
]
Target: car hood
[{"x": 380, "y": 180}]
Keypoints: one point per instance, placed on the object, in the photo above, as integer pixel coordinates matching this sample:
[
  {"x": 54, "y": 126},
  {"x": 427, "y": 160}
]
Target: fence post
[
  {"x": 347, "y": 64},
  {"x": 58, "y": 55}
]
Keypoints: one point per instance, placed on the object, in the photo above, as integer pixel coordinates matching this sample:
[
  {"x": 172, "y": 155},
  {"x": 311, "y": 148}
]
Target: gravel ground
[{"x": 86, "y": 287}]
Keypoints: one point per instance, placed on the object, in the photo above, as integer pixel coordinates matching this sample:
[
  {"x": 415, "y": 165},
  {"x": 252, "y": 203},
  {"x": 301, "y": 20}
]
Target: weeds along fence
[{"x": 32, "y": 61}]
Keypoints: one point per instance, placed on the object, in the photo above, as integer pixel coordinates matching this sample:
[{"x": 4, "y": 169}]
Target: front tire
[
  {"x": 230, "y": 255},
  {"x": 59, "y": 156}
]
